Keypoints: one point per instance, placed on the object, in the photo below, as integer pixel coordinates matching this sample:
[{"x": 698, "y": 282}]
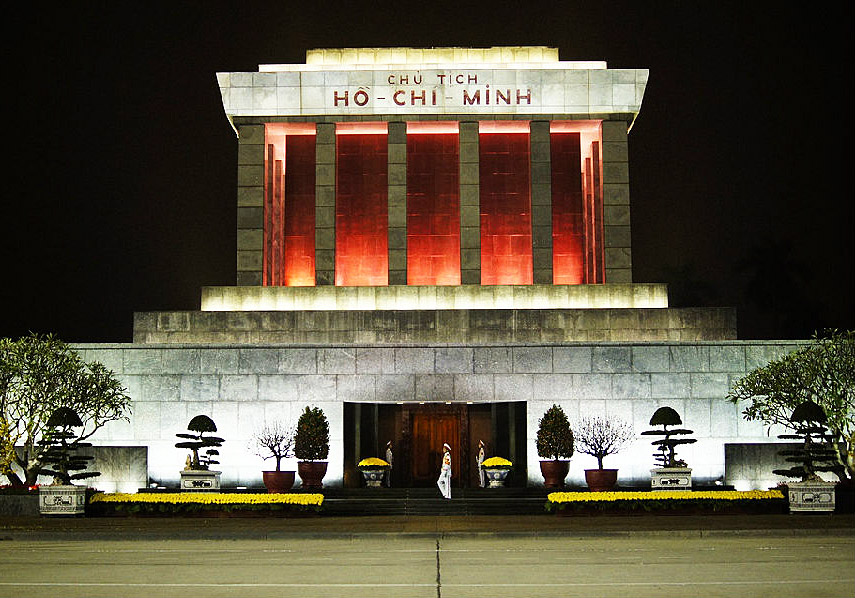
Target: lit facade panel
[
  {"x": 289, "y": 205},
  {"x": 505, "y": 194},
  {"x": 361, "y": 209},
  {"x": 433, "y": 204}
]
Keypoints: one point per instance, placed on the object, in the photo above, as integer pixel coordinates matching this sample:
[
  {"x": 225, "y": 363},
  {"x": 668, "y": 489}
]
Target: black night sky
[{"x": 120, "y": 190}]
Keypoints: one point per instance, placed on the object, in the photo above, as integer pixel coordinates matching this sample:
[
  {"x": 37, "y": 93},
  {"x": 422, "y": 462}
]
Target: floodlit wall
[{"x": 241, "y": 387}]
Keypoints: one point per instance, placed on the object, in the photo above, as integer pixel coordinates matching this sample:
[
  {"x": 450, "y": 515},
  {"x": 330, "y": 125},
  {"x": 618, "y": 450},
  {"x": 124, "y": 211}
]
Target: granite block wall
[{"x": 243, "y": 386}]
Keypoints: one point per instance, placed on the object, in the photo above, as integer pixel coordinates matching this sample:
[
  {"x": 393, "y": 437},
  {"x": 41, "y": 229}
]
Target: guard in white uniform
[
  {"x": 482, "y": 478},
  {"x": 388, "y": 479},
  {"x": 444, "y": 481}
]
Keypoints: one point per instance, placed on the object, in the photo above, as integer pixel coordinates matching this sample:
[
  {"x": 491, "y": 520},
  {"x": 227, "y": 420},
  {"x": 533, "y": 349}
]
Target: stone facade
[{"x": 241, "y": 386}]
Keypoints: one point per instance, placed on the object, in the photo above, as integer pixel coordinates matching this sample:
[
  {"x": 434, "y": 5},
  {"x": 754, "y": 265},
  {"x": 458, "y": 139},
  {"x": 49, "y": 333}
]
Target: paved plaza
[{"x": 430, "y": 556}]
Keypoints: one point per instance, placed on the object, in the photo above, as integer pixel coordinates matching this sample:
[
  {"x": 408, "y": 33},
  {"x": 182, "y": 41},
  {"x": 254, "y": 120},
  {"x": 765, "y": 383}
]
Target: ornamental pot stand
[
  {"x": 312, "y": 473},
  {"x": 671, "y": 478},
  {"x": 554, "y": 473},
  {"x": 601, "y": 480},
  {"x": 812, "y": 496},
  {"x": 278, "y": 482},
  {"x": 496, "y": 476},
  {"x": 62, "y": 500},
  {"x": 373, "y": 477},
  {"x": 200, "y": 480}
]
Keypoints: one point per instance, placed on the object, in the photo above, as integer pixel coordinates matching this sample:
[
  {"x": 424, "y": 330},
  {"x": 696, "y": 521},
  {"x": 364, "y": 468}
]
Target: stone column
[
  {"x": 541, "y": 202},
  {"x": 397, "y": 202},
  {"x": 250, "y": 204},
  {"x": 325, "y": 204},
  {"x": 616, "y": 226},
  {"x": 470, "y": 208}
]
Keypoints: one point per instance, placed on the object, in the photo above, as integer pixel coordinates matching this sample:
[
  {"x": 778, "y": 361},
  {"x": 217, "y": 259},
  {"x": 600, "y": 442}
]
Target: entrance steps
[{"x": 427, "y": 501}]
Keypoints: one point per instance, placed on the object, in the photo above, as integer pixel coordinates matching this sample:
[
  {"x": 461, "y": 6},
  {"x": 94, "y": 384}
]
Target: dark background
[{"x": 120, "y": 190}]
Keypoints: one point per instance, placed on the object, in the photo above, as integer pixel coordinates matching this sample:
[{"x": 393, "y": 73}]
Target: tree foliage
[
  {"x": 197, "y": 441},
  {"x": 275, "y": 440},
  {"x": 38, "y": 375},
  {"x": 665, "y": 455},
  {"x": 554, "y": 437},
  {"x": 60, "y": 447},
  {"x": 822, "y": 372},
  {"x": 602, "y": 436},
  {"x": 312, "y": 439}
]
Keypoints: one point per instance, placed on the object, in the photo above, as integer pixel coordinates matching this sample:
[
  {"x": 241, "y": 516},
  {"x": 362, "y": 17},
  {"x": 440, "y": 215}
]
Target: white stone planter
[
  {"x": 671, "y": 478},
  {"x": 496, "y": 477},
  {"x": 812, "y": 496},
  {"x": 200, "y": 480},
  {"x": 62, "y": 500},
  {"x": 373, "y": 477}
]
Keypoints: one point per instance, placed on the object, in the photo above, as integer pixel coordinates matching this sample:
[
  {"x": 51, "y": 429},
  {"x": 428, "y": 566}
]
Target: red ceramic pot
[
  {"x": 554, "y": 473},
  {"x": 601, "y": 480},
  {"x": 278, "y": 482},
  {"x": 312, "y": 473}
]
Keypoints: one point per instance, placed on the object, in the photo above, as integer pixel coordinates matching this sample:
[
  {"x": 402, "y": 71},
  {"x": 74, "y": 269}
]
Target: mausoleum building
[{"x": 434, "y": 246}]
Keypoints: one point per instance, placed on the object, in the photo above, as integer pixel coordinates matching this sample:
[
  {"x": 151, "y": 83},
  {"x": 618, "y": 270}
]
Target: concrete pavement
[{"x": 646, "y": 555}]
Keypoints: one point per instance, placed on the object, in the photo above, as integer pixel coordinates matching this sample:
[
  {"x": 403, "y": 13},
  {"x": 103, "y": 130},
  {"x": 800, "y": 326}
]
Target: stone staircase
[{"x": 427, "y": 501}]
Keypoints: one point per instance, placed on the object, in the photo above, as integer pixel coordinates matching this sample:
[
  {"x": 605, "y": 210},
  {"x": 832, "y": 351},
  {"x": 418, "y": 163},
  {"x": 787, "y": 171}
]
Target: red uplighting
[
  {"x": 568, "y": 230},
  {"x": 505, "y": 183},
  {"x": 433, "y": 204},
  {"x": 288, "y": 256},
  {"x": 361, "y": 208}
]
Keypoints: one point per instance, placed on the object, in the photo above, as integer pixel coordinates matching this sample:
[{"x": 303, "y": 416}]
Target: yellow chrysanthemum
[
  {"x": 568, "y": 497},
  {"x": 372, "y": 462},
  {"x": 204, "y": 498},
  {"x": 496, "y": 462}
]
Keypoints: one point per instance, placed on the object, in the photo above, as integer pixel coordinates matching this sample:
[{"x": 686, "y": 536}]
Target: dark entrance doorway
[{"x": 418, "y": 431}]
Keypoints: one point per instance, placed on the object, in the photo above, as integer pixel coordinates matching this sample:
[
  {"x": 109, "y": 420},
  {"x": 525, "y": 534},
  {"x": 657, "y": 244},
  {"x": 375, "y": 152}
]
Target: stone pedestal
[
  {"x": 671, "y": 478},
  {"x": 200, "y": 480},
  {"x": 62, "y": 500},
  {"x": 811, "y": 497}
]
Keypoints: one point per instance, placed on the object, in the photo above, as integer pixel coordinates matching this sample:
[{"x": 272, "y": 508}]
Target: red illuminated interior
[
  {"x": 505, "y": 181},
  {"x": 361, "y": 210},
  {"x": 577, "y": 204},
  {"x": 289, "y": 205},
  {"x": 568, "y": 226},
  {"x": 433, "y": 204}
]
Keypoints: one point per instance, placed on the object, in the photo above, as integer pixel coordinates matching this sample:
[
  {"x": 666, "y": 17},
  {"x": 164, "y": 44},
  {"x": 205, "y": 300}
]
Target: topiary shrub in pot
[
  {"x": 555, "y": 446},
  {"x": 816, "y": 454},
  {"x": 275, "y": 440},
  {"x": 197, "y": 473},
  {"x": 601, "y": 437},
  {"x": 58, "y": 454},
  {"x": 312, "y": 447},
  {"x": 672, "y": 473}
]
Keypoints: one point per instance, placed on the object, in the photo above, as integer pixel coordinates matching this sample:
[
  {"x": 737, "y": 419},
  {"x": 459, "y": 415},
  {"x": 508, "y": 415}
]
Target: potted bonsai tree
[
  {"x": 817, "y": 453},
  {"x": 197, "y": 473},
  {"x": 275, "y": 441},
  {"x": 554, "y": 445},
  {"x": 60, "y": 460},
  {"x": 672, "y": 473},
  {"x": 312, "y": 447},
  {"x": 601, "y": 437}
]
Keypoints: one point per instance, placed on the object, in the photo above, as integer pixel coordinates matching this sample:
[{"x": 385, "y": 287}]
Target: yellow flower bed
[
  {"x": 566, "y": 497},
  {"x": 372, "y": 462},
  {"x": 719, "y": 500},
  {"x": 497, "y": 462},
  {"x": 205, "y": 498}
]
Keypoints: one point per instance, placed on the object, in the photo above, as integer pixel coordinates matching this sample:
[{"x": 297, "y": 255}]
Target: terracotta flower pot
[
  {"x": 601, "y": 480},
  {"x": 554, "y": 473},
  {"x": 278, "y": 482},
  {"x": 312, "y": 473}
]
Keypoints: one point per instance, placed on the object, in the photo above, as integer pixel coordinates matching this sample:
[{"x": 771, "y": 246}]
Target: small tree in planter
[
  {"x": 197, "y": 474},
  {"x": 58, "y": 455},
  {"x": 601, "y": 437},
  {"x": 554, "y": 443},
  {"x": 816, "y": 454},
  {"x": 312, "y": 446},
  {"x": 672, "y": 473},
  {"x": 276, "y": 441}
]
